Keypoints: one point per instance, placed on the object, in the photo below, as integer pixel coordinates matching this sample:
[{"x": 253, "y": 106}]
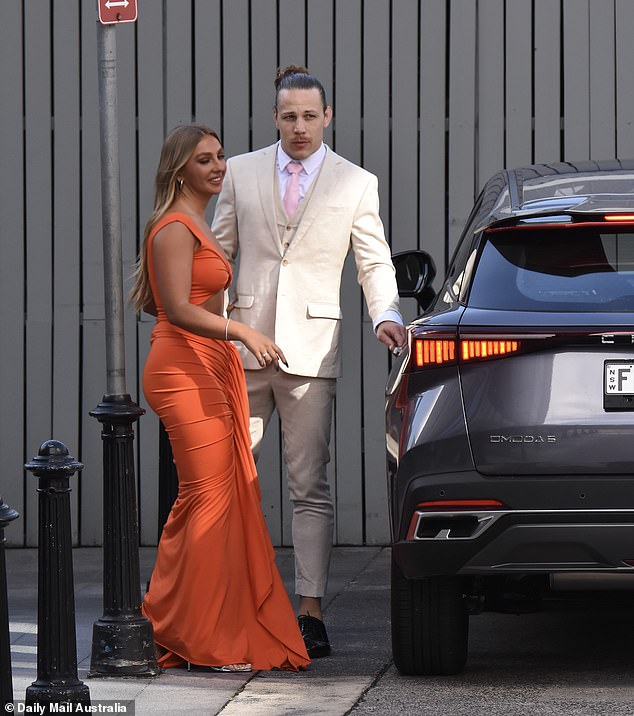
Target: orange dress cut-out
[{"x": 215, "y": 596}]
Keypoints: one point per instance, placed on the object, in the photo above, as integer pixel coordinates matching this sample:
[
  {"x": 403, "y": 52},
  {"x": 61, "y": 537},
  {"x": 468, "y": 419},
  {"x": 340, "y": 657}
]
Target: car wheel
[{"x": 430, "y": 624}]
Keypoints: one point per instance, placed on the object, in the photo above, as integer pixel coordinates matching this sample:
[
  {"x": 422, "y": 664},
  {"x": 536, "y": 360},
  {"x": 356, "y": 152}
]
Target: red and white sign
[{"x": 113, "y": 11}]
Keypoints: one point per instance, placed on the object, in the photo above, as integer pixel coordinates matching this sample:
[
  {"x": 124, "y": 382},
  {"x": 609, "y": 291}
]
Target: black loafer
[{"x": 315, "y": 637}]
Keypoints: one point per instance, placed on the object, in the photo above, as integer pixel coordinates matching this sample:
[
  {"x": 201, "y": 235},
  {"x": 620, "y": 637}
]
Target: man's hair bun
[{"x": 287, "y": 72}]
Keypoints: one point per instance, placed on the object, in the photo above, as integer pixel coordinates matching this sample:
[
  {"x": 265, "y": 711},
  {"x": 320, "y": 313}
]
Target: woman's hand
[{"x": 262, "y": 347}]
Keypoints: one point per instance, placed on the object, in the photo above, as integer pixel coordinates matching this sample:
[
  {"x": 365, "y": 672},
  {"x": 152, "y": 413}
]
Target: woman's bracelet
[{"x": 227, "y": 329}]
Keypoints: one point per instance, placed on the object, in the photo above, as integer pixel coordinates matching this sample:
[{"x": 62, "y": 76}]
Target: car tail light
[
  {"x": 439, "y": 346},
  {"x": 453, "y": 505},
  {"x": 431, "y": 351},
  {"x": 619, "y": 217},
  {"x": 433, "y": 347},
  {"x": 470, "y": 350},
  {"x": 436, "y": 351}
]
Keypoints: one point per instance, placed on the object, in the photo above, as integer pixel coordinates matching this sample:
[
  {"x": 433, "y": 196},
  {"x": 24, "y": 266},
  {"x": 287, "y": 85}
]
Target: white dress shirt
[{"x": 311, "y": 166}]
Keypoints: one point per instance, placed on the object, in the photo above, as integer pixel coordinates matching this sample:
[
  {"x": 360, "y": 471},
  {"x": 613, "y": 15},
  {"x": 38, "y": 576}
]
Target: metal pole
[
  {"x": 111, "y": 210},
  {"x": 7, "y": 515},
  {"x": 57, "y": 681},
  {"x": 123, "y": 640}
]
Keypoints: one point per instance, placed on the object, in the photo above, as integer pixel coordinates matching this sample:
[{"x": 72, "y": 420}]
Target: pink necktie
[{"x": 291, "y": 195}]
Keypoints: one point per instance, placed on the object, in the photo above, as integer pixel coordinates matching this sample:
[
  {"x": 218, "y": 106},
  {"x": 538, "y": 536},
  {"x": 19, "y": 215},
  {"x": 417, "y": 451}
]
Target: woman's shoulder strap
[{"x": 174, "y": 216}]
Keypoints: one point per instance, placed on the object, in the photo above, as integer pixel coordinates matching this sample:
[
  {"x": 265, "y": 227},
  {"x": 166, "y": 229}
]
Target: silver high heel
[{"x": 228, "y": 669}]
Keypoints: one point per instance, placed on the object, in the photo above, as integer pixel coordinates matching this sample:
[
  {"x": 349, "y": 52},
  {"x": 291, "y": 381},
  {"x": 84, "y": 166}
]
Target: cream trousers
[{"x": 305, "y": 409}]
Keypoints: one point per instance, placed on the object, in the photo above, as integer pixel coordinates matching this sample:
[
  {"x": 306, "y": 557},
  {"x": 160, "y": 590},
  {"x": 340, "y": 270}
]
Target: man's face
[{"x": 301, "y": 120}]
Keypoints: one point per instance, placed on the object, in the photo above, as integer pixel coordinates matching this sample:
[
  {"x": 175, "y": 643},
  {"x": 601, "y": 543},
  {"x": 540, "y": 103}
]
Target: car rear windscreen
[{"x": 562, "y": 268}]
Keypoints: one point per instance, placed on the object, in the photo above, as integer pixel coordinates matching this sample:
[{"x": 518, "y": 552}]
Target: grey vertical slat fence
[
  {"x": 433, "y": 96},
  {"x": 461, "y": 155},
  {"x": 490, "y": 88},
  {"x": 320, "y": 47},
  {"x": 151, "y": 130},
  {"x": 346, "y": 96},
  {"x": 93, "y": 365},
  {"x": 547, "y": 67},
  {"x": 12, "y": 273},
  {"x": 177, "y": 63},
  {"x": 624, "y": 22},
  {"x": 403, "y": 232},
  {"x": 376, "y": 78},
  {"x": 38, "y": 199},
  {"x": 264, "y": 56},
  {"x": 576, "y": 51},
  {"x": 236, "y": 76},
  {"x": 602, "y": 95},
  {"x": 432, "y": 142},
  {"x": 207, "y": 32},
  {"x": 291, "y": 43},
  {"x": 66, "y": 233},
  {"x": 376, "y": 362},
  {"x": 519, "y": 78}
]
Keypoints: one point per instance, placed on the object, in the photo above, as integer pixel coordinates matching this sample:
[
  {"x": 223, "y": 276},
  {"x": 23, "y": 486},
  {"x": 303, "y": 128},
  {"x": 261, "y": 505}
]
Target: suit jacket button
[{"x": 284, "y": 262}]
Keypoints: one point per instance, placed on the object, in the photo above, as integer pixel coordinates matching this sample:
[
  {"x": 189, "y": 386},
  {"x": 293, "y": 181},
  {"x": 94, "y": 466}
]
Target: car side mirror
[{"x": 415, "y": 272}]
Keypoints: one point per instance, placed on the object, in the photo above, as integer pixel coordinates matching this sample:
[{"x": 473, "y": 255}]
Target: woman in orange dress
[{"x": 216, "y": 597}]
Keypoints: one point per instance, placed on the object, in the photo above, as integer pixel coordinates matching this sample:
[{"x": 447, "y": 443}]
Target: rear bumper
[{"x": 542, "y": 527}]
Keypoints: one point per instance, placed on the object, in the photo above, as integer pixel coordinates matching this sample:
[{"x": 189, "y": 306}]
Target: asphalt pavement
[{"x": 576, "y": 657}]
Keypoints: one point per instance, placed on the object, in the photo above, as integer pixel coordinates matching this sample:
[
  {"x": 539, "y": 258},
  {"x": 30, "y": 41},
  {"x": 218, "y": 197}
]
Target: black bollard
[
  {"x": 123, "y": 639},
  {"x": 57, "y": 681},
  {"x": 7, "y": 515}
]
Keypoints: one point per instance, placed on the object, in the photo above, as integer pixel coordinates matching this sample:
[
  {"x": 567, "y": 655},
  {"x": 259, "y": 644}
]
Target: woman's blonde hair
[{"x": 178, "y": 147}]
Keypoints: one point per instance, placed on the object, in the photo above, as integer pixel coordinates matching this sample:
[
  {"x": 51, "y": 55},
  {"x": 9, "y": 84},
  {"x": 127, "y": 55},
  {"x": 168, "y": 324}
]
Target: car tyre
[{"x": 430, "y": 624}]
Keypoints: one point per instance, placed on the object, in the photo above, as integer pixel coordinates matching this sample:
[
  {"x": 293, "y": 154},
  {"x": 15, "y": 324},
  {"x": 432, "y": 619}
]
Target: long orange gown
[{"x": 215, "y": 596}]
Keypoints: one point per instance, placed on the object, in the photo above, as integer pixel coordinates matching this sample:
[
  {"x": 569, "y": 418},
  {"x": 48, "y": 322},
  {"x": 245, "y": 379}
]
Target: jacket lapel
[
  {"x": 265, "y": 180},
  {"x": 325, "y": 185}
]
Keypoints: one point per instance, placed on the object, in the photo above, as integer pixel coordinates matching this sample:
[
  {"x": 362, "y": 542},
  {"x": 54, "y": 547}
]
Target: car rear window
[{"x": 563, "y": 268}]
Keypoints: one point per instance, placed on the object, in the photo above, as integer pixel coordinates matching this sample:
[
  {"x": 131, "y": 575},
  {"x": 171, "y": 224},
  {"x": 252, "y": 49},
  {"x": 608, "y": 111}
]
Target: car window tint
[
  {"x": 555, "y": 269},
  {"x": 459, "y": 270}
]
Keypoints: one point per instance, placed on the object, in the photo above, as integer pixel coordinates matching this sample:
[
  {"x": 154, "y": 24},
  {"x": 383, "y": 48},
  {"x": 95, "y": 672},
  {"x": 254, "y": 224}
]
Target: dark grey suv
[{"x": 510, "y": 418}]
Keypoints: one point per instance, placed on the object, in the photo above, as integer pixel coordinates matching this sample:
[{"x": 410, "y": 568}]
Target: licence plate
[{"x": 618, "y": 385}]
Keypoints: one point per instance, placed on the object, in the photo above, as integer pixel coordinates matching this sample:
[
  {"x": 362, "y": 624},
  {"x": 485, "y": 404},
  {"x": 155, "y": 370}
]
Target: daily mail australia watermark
[{"x": 66, "y": 707}]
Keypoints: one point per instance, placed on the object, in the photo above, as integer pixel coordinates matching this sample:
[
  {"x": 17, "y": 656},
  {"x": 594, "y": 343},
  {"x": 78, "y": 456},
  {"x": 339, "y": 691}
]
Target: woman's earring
[{"x": 180, "y": 183}]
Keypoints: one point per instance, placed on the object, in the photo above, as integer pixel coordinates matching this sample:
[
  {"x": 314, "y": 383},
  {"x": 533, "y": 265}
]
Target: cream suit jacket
[{"x": 292, "y": 294}]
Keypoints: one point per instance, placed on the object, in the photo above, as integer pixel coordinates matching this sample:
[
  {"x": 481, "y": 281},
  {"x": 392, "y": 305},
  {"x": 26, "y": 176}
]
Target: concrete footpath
[
  {"x": 357, "y": 617},
  {"x": 574, "y": 657}
]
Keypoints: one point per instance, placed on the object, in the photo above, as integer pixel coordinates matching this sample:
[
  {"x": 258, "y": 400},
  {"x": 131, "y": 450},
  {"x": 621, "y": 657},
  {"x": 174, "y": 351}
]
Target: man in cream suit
[{"x": 292, "y": 211}]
